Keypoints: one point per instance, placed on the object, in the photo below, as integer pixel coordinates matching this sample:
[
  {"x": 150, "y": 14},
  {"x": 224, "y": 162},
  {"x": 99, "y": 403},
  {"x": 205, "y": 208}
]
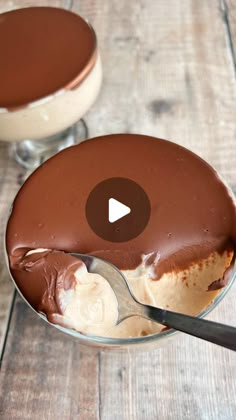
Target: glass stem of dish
[{"x": 32, "y": 153}]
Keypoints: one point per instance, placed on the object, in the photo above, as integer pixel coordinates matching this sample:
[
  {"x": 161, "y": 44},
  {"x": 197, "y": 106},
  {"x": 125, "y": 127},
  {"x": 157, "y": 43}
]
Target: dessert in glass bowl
[
  {"x": 49, "y": 77},
  {"x": 183, "y": 259}
]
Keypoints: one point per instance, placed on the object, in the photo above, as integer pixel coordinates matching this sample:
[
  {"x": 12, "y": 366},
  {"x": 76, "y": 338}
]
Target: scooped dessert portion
[
  {"x": 180, "y": 261},
  {"x": 50, "y": 71},
  {"x": 73, "y": 297}
]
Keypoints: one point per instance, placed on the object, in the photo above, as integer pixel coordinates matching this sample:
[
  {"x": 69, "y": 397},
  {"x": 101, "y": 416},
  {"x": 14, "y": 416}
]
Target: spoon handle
[{"x": 223, "y": 335}]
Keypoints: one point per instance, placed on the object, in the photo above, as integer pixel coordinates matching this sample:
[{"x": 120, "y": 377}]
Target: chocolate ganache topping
[
  {"x": 192, "y": 211},
  {"x": 42, "y": 50},
  {"x": 51, "y": 271}
]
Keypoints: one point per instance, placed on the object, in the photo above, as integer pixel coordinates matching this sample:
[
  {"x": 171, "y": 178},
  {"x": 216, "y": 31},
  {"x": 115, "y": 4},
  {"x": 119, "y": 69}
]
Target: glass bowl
[
  {"x": 47, "y": 125},
  {"x": 142, "y": 342},
  {"x": 147, "y": 342}
]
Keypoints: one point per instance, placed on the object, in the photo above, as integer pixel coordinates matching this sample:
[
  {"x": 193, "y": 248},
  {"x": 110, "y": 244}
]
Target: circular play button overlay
[{"x": 118, "y": 209}]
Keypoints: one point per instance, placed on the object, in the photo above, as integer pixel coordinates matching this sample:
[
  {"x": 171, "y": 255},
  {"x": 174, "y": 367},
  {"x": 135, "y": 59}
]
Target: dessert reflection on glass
[
  {"x": 50, "y": 75},
  {"x": 181, "y": 260}
]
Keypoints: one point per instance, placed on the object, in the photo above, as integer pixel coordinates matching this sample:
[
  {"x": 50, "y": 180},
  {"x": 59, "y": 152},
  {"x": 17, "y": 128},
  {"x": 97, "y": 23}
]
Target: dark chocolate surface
[
  {"x": 40, "y": 276},
  {"x": 42, "y": 50},
  {"x": 192, "y": 212}
]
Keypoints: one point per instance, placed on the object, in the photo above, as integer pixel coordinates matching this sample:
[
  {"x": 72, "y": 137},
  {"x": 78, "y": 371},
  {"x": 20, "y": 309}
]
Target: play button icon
[{"x": 117, "y": 209}]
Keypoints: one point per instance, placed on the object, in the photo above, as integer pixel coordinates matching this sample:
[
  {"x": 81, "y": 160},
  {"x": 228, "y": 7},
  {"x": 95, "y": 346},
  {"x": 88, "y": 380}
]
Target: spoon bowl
[{"x": 129, "y": 306}]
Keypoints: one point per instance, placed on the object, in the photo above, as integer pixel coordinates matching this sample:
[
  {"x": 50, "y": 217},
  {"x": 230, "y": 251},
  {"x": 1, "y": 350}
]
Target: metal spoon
[{"x": 128, "y": 306}]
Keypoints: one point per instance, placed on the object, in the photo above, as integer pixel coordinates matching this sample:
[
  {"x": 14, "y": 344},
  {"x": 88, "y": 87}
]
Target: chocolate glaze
[
  {"x": 192, "y": 212},
  {"x": 42, "y": 50},
  {"x": 40, "y": 276}
]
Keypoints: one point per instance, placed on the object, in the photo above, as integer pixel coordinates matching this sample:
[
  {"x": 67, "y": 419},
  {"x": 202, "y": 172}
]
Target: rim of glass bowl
[
  {"x": 120, "y": 342},
  {"x": 130, "y": 341},
  {"x": 63, "y": 89}
]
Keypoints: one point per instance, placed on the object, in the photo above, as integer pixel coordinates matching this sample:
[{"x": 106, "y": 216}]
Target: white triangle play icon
[{"x": 116, "y": 210}]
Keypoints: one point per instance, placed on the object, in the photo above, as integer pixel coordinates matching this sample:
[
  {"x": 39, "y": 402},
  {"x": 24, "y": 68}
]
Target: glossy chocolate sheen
[
  {"x": 46, "y": 272},
  {"x": 192, "y": 212},
  {"x": 42, "y": 50}
]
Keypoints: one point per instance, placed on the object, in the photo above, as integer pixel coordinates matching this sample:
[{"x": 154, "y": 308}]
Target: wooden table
[{"x": 169, "y": 71}]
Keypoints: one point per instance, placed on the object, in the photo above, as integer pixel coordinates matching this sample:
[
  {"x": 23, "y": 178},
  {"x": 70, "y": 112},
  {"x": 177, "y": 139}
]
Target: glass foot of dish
[{"x": 32, "y": 153}]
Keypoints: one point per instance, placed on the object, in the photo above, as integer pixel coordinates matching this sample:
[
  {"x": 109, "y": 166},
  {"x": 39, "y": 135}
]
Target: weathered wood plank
[
  {"x": 229, "y": 7},
  {"x": 168, "y": 73},
  {"x": 168, "y": 64},
  {"x": 8, "y": 186},
  {"x": 185, "y": 380},
  {"x": 44, "y": 374}
]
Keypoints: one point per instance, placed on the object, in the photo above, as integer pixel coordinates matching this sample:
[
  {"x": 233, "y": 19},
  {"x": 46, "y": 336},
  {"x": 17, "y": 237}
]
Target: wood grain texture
[
  {"x": 8, "y": 186},
  {"x": 229, "y": 7},
  {"x": 45, "y": 375},
  {"x": 167, "y": 73}
]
